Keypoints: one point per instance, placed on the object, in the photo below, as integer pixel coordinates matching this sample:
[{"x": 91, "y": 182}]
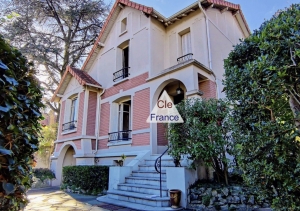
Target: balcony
[
  {"x": 69, "y": 126},
  {"x": 120, "y": 136},
  {"x": 185, "y": 58},
  {"x": 121, "y": 74}
]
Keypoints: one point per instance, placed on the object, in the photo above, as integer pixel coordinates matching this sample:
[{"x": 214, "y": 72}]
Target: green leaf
[
  {"x": 5, "y": 151},
  {"x": 8, "y": 187}
]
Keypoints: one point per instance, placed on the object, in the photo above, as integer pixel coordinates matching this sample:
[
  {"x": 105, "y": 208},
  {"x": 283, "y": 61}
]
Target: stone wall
[{"x": 215, "y": 197}]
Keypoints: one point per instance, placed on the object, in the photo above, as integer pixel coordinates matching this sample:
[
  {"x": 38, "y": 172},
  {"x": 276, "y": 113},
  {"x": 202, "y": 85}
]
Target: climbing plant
[
  {"x": 262, "y": 81},
  {"x": 20, "y": 101},
  {"x": 204, "y": 134}
]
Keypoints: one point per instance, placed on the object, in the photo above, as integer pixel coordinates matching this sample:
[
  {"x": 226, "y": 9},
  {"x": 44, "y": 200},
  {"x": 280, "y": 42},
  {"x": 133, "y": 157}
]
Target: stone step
[
  {"x": 139, "y": 198},
  {"x": 141, "y": 207},
  {"x": 148, "y": 174},
  {"x": 145, "y": 181},
  {"x": 164, "y": 162},
  {"x": 145, "y": 167},
  {"x": 164, "y": 157},
  {"x": 147, "y": 189}
]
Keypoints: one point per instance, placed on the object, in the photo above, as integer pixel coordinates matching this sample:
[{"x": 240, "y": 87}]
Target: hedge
[
  {"x": 86, "y": 179},
  {"x": 20, "y": 104}
]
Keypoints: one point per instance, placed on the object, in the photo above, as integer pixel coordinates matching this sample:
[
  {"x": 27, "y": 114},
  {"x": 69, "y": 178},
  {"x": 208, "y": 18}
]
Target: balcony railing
[
  {"x": 123, "y": 73},
  {"x": 120, "y": 136},
  {"x": 185, "y": 58},
  {"x": 69, "y": 126}
]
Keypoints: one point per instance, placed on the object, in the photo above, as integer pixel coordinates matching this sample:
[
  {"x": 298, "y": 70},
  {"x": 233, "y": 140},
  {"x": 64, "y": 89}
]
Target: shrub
[
  {"x": 20, "y": 101},
  {"x": 203, "y": 135},
  {"x": 91, "y": 179},
  {"x": 43, "y": 174},
  {"x": 262, "y": 81}
]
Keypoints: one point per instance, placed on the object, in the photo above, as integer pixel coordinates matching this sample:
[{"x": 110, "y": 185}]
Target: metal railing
[
  {"x": 120, "y": 136},
  {"x": 185, "y": 58},
  {"x": 120, "y": 74},
  {"x": 157, "y": 166},
  {"x": 69, "y": 125}
]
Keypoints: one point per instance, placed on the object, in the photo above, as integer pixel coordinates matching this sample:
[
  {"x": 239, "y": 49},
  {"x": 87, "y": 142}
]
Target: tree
[
  {"x": 46, "y": 142},
  {"x": 20, "y": 103},
  {"x": 54, "y": 34},
  {"x": 203, "y": 135},
  {"x": 262, "y": 81}
]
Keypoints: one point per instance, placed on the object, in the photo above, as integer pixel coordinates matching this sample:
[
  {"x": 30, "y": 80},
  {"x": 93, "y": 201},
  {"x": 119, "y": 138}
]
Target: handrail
[
  {"x": 185, "y": 57},
  {"x": 158, "y": 165},
  {"x": 124, "y": 135},
  {"x": 120, "y": 74},
  {"x": 69, "y": 125}
]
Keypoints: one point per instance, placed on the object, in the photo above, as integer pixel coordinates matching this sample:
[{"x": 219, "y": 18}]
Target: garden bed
[{"x": 211, "y": 196}]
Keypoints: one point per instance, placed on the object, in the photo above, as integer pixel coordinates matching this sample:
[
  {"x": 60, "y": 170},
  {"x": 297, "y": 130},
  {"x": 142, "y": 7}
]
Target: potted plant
[{"x": 121, "y": 161}]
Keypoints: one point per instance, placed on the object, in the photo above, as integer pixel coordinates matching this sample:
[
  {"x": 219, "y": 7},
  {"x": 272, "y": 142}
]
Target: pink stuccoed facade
[{"x": 140, "y": 53}]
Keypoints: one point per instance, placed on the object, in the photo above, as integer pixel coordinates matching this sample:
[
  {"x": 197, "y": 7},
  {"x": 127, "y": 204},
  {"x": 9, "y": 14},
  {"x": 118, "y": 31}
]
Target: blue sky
[{"x": 255, "y": 11}]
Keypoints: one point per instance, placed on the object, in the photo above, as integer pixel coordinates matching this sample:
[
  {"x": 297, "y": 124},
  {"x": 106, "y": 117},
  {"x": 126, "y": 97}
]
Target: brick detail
[
  {"x": 142, "y": 139},
  {"x": 102, "y": 144},
  {"x": 58, "y": 146},
  {"x": 77, "y": 144},
  {"x": 91, "y": 115},
  {"x": 141, "y": 109},
  {"x": 161, "y": 134},
  {"x": 104, "y": 119},
  {"x": 79, "y": 120},
  {"x": 126, "y": 85},
  {"x": 208, "y": 88}
]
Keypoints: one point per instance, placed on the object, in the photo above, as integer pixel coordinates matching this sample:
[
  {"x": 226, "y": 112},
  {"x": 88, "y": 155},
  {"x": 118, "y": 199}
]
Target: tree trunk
[{"x": 296, "y": 109}]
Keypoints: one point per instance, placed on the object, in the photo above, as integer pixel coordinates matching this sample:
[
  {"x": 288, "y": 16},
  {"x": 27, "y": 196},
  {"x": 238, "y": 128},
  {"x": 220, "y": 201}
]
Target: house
[{"x": 138, "y": 54}]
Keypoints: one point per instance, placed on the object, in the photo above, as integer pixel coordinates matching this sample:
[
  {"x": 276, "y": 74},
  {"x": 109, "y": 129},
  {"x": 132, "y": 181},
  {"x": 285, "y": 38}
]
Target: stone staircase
[{"x": 141, "y": 190}]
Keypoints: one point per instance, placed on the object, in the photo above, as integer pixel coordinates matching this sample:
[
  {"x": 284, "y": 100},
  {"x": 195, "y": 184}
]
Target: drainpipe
[
  {"x": 98, "y": 121},
  {"x": 208, "y": 45},
  {"x": 207, "y": 34}
]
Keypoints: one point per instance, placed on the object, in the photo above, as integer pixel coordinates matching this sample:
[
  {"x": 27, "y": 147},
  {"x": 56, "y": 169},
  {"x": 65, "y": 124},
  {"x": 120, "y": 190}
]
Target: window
[
  {"x": 120, "y": 123},
  {"x": 126, "y": 58},
  {"x": 124, "y": 119},
  {"x": 124, "y": 25},
  {"x": 122, "y": 62},
  {"x": 70, "y": 117},
  {"x": 186, "y": 44},
  {"x": 74, "y": 106}
]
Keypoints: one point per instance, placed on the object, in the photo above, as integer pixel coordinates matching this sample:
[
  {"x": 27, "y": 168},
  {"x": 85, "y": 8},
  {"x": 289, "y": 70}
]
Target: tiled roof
[
  {"x": 81, "y": 76},
  {"x": 150, "y": 11}
]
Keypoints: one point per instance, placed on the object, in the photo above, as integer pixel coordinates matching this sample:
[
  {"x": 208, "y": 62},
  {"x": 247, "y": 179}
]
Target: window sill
[
  {"x": 69, "y": 131},
  {"x": 120, "y": 81},
  {"x": 122, "y": 33},
  {"x": 117, "y": 143}
]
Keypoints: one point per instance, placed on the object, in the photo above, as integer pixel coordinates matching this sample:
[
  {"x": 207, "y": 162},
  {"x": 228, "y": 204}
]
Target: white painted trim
[
  {"x": 75, "y": 138},
  {"x": 122, "y": 33},
  {"x": 103, "y": 137},
  {"x": 117, "y": 143},
  {"x": 69, "y": 131},
  {"x": 85, "y": 111},
  {"x": 147, "y": 130},
  {"x": 117, "y": 154},
  {"x": 120, "y": 81}
]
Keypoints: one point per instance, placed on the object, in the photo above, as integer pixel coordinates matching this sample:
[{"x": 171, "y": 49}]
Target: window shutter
[{"x": 186, "y": 43}]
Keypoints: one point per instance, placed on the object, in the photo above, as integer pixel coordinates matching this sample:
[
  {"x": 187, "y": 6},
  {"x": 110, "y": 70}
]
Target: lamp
[{"x": 179, "y": 90}]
